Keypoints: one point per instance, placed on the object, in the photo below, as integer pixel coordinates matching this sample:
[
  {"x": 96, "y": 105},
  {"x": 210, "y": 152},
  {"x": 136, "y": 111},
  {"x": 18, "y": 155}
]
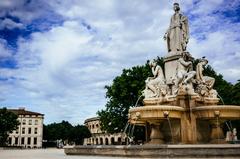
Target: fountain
[
  {"x": 183, "y": 98},
  {"x": 186, "y": 95}
]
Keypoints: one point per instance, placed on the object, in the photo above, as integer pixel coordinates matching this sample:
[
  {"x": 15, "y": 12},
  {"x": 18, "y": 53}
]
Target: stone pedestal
[
  {"x": 187, "y": 101},
  {"x": 216, "y": 136},
  {"x": 188, "y": 129},
  {"x": 156, "y": 136},
  {"x": 188, "y": 120},
  {"x": 170, "y": 62}
]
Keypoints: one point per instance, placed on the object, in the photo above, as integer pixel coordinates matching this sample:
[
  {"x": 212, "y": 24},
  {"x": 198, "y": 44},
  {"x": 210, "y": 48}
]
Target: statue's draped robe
[{"x": 178, "y": 33}]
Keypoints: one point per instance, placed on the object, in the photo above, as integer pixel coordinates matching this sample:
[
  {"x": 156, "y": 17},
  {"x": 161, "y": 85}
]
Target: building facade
[
  {"x": 102, "y": 138},
  {"x": 30, "y": 131}
]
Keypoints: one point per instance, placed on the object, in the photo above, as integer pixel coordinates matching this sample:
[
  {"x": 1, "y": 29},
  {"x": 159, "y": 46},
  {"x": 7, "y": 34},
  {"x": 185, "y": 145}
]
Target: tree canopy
[
  {"x": 123, "y": 94},
  {"x": 66, "y": 132},
  {"x": 127, "y": 88},
  {"x": 78, "y": 133},
  {"x": 8, "y": 123},
  {"x": 235, "y": 94}
]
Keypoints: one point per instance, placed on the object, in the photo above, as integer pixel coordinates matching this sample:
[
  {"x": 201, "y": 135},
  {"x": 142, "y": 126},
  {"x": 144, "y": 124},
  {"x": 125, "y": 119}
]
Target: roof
[
  {"x": 92, "y": 119},
  {"x": 21, "y": 111}
]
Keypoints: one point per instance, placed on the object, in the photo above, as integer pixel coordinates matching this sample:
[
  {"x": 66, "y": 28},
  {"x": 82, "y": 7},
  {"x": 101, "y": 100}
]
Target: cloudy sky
[{"x": 56, "y": 56}]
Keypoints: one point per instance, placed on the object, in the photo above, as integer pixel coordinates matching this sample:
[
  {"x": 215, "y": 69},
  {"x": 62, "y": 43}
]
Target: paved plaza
[
  {"x": 51, "y": 154},
  {"x": 43, "y": 154}
]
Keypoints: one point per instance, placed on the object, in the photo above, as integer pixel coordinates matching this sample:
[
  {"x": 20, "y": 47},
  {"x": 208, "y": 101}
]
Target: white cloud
[
  {"x": 10, "y": 24},
  {"x": 57, "y": 71},
  {"x": 205, "y": 7},
  {"x": 25, "y": 11},
  {"x": 222, "y": 50},
  {"x": 6, "y": 4},
  {"x": 4, "y": 52},
  {"x": 62, "y": 72}
]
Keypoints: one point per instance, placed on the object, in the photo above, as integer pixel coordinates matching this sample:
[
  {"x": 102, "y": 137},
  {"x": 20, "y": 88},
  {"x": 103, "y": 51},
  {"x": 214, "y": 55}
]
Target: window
[
  {"x": 16, "y": 140},
  {"x": 112, "y": 140},
  {"x": 106, "y": 141},
  {"x": 23, "y": 130},
  {"x": 35, "y": 141},
  {"x": 29, "y": 140},
  {"x": 29, "y": 130},
  {"x": 22, "y": 142},
  {"x": 17, "y": 131},
  {"x": 93, "y": 126},
  {"x": 35, "y": 131},
  {"x": 30, "y": 122},
  {"x": 24, "y": 122},
  {"x": 119, "y": 140},
  {"x": 36, "y": 122}
]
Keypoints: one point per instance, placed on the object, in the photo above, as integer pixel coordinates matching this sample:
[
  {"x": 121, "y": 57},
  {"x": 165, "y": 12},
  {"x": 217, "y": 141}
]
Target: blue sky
[{"x": 56, "y": 56}]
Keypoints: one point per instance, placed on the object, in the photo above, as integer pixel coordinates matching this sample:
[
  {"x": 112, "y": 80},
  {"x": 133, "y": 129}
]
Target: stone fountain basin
[
  {"x": 140, "y": 115},
  {"x": 156, "y": 151},
  {"x": 221, "y": 111}
]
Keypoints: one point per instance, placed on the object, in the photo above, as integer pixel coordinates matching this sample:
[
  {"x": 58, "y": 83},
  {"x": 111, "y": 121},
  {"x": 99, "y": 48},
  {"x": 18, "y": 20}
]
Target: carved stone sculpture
[
  {"x": 235, "y": 134},
  {"x": 184, "y": 74},
  {"x": 177, "y": 34},
  {"x": 155, "y": 86},
  {"x": 179, "y": 71},
  {"x": 204, "y": 83}
]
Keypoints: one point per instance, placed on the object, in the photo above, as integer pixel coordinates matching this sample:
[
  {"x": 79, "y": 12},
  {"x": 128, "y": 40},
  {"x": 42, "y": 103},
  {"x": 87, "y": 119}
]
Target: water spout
[
  {"x": 132, "y": 131},
  {"x": 124, "y": 132},
  {"x": 125, "y": 128},
  {"x": 221, "y": 99},
  {"x": 128, "y": 134},
  {"x": 231, "y": 124},
  {"x": 137, "y": 100},
  {"x": 131, "y": 127},
  {"x": 229, "y": 127},
  {"x": 166, "y": 115},
  {"x": 218, "y": 129},
  {"x": 217, "y": 115}
]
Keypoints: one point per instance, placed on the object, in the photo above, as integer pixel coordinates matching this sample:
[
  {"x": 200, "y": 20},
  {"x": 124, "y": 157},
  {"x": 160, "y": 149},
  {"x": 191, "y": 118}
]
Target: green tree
[
  {"x": 235, "y": 95},
  {"x": 123, "y": 94},
  {"x": 57, "y": 131},
  {"x": 66, "y": 132},
  {"x": 78, "y": 133},
  {"x": 8, "y": 123}
]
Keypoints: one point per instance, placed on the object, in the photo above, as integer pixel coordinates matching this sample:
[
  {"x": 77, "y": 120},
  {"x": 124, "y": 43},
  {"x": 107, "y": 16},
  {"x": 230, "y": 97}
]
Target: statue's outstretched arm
[
  {"x": 184, "y": 63},
  {"x": 168, "y": 30}
]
